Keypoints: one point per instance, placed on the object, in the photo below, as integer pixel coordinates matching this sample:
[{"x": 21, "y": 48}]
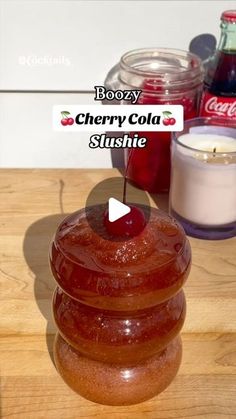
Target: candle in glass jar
[{"x": 203, "y": 186}]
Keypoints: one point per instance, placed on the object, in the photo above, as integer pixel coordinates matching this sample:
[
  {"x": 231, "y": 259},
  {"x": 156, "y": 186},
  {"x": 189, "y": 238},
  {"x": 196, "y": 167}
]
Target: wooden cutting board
[{"x": 32, "y": 204}]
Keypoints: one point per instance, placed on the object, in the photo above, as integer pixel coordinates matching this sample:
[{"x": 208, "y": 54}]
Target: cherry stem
[{"x": 126, "y": 173}]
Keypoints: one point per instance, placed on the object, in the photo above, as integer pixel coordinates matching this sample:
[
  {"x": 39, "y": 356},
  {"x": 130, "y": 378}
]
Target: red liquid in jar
[
  {"x": 118, "y": 337},
  {"x": 119, "y": 307},
  {"x": 128, "y": 275},
  {"x": 150, "y": 166}
]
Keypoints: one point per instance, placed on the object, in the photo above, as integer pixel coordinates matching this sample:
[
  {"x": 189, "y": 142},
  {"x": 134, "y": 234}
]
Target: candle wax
[{"x": 203, "y": 189}]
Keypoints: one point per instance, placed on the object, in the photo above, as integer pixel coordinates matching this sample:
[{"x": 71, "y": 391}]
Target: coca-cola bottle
[{"x": 219, "y": 97}]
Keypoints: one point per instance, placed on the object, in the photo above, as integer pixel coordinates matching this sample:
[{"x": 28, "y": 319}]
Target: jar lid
[{"x": 229, "y": 16}]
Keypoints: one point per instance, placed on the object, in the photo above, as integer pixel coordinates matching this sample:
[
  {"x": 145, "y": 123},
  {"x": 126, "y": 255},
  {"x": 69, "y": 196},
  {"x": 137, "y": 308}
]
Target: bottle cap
[{"x": 229, "y": 16}]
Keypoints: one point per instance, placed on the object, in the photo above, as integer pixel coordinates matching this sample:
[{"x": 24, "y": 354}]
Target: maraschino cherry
[{"x": 129, "y": 225}]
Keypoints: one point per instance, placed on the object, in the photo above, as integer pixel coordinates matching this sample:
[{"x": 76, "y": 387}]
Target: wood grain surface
[{"x": 32, "y": 204}]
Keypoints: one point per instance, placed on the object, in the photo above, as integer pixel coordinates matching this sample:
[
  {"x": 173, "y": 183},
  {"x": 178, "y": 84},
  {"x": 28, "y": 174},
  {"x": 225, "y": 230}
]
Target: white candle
[{"x": 203, "y": 184}]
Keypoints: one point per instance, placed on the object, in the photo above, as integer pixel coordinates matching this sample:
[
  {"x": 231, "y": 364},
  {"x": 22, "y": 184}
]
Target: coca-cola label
[{"x": 218, "y": 105}]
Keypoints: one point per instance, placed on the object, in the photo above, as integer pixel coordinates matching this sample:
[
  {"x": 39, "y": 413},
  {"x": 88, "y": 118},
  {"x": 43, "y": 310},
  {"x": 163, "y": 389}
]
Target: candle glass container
[
  {"x": 203, "y": 178},
  {"x": 119, "y": 307}
]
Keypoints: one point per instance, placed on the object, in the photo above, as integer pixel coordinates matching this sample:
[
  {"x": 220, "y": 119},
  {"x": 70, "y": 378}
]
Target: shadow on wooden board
[{"x": 36, "y": 248}]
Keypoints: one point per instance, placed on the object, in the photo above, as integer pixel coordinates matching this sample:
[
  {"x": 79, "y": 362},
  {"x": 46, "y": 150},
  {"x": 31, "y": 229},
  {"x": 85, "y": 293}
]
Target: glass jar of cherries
[{"x": 165, "y": 76}]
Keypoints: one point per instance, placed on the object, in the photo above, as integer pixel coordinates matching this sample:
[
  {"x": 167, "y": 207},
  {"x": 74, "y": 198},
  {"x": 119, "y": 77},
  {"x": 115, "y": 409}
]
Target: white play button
[{"x": 116, "y": 209}]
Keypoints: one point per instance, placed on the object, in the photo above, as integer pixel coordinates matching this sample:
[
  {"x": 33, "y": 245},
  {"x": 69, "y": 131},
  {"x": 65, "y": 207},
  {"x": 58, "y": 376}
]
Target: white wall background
[{"x": 70, "y": 45}]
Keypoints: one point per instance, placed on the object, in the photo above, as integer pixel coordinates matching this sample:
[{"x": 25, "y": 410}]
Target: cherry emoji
[
  {"x": 70, "y": 121},
  {"x": 166, "y": 121},
  {"x": 172, "y": 121},
  {"x": 64, "y": 121}
]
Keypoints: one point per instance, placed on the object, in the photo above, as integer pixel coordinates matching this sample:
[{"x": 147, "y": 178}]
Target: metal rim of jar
[{"x": 191, "y": 78}]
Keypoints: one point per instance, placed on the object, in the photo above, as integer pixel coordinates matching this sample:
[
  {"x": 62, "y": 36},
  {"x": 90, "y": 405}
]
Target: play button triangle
[{"x": 116, "y": 209}]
